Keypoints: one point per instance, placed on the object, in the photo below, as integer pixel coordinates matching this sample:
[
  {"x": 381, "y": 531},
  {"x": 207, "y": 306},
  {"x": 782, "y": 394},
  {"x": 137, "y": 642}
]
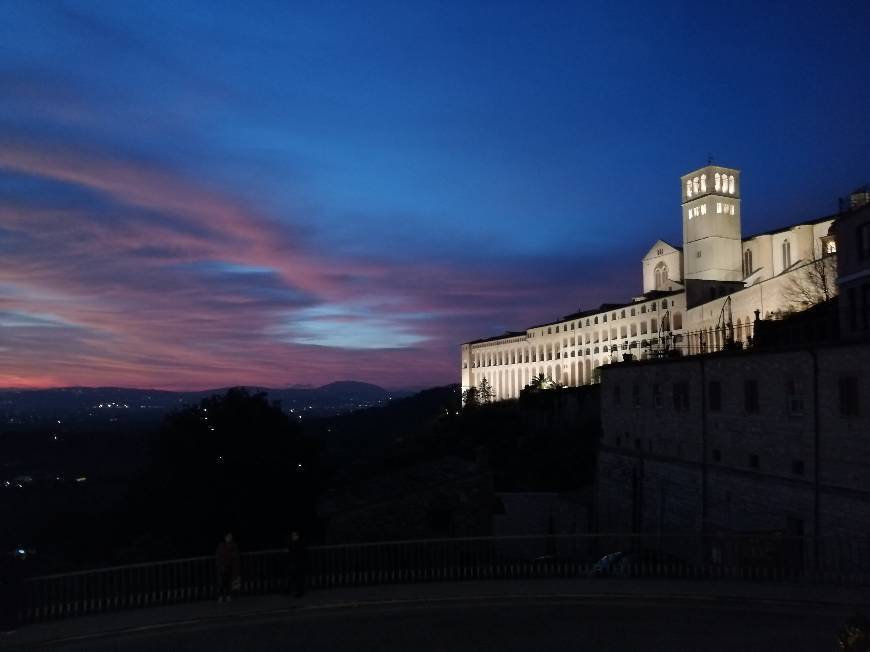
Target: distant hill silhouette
[{"x": 38, "y": 405}]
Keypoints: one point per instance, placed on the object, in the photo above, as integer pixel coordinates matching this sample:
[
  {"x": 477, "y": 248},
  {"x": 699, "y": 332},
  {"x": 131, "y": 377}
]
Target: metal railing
[{"x": 749, "y": 558}]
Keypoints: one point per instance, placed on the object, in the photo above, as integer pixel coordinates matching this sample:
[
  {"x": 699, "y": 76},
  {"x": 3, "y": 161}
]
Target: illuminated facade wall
[{"x": 570, "y": 349}]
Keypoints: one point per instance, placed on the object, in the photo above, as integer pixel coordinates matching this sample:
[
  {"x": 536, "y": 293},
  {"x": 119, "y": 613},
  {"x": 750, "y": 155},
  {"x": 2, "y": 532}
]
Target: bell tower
[{"x": 711, "y": 225}]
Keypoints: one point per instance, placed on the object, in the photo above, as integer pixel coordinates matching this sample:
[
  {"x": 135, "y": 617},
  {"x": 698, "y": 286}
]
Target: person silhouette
[
  {"x": 227, "y": 563},
  {"x": 297, "y": 563}
]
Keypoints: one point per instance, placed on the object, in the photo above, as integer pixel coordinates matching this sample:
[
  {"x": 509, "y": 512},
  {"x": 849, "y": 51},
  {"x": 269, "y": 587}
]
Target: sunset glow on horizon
[{"x": 196, "y": 197}]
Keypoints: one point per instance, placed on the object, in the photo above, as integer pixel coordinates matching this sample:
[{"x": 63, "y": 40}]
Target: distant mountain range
[{"x": 37, "y": 405}]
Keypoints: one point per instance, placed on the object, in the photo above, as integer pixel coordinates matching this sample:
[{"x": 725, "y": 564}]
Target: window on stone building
[
  {"x": 747, "y": 263},
  {"x": 849, "y": 396},
  {"x": 678, "y": 321},
  {"x": 643, "y": 330},
  {"x": 750, "y": 395},
  {"x": 853, "y": 309},
  {"x": 794, "y": 397},
  {"x": 657, "y": 395},
  {"x": 643, "y": 309},
  {"x": 703, "y": 183},
  {"x": 635, "y": 395},
  {"x": 634, "y": 330},
  {"x": 613, "y": 333},
  {"x": 664, "y": 304},
  {"x": 862, "y": 240},
  {"x": 622, "y": 314},
  {"x": 716, "y": 178},
  {"x": 681, "y": 396},
  {"x": 731, "y": 185},
  {"x": 653, "y": 327},
  {"x": 786, "y": 254},
  {"x": 714, "y": 395},
  {"x": 865, "y": 306},
  {"x": 623, "y": 331},
  {"x": 632, "y": 312}
]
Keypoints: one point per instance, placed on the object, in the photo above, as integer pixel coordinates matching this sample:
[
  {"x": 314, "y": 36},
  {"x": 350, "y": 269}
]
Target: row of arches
[
  {"x": 508, "y": 383},
  {"x": 557, "y": 351}
]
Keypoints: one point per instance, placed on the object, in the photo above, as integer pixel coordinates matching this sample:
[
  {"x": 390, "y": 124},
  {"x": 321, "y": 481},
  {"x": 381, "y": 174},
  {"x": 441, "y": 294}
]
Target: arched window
[
  {"x": 661, "y": 276},
  {"x": 731, "y": 184},
  {"x": 703, "y": 183},
  {"x": 747, "y": 263},
  {"x": 831, "y": 247},
  {"x": 678, "y": 321},
  {"x": 688, "y": 187},
  {"x": 664, "y": 304},
  {"x": 786, "y": 255},
  {"x": 695, "y": 184},
  {"x": 716, "y": 178}
]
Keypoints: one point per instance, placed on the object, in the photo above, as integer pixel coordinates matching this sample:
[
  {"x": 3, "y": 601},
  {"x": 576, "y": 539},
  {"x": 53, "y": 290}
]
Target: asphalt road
[{"x": 506, "y": 625}]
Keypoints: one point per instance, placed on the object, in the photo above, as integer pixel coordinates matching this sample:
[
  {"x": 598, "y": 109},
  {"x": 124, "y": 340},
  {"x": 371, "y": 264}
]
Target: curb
[{"x": 728, "y": 600}]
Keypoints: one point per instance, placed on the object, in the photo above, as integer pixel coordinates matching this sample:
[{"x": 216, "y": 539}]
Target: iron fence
[{"x": 843, "y": 561}]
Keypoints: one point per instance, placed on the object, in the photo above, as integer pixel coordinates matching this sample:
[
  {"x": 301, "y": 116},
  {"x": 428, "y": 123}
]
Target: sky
[{"x": 203, "y": 194}]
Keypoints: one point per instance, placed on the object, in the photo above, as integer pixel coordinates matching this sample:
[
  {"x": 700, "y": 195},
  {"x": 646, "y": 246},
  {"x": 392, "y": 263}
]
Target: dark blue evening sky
[{"x": 300, "y": 192}]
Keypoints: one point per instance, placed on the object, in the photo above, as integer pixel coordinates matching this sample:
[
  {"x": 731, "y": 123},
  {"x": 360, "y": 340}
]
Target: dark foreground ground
[
  {"x": 502, "y": 616},
  {"x": 504, "y": 626}
]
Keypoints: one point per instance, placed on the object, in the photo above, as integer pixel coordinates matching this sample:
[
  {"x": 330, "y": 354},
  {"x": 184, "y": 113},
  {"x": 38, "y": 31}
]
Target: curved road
[{"x": 505, "y": 625}]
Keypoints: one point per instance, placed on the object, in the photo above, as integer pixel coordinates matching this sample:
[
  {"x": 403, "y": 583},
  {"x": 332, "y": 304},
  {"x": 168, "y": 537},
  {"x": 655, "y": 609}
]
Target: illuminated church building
[{"x": 682, "y": 308}]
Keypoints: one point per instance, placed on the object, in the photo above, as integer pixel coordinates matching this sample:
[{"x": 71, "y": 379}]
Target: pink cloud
[{"x": 153, "y": 288}]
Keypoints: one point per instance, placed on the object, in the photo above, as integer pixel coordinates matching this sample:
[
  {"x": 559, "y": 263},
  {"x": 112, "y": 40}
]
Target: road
[{"x": 505, "y": 625}]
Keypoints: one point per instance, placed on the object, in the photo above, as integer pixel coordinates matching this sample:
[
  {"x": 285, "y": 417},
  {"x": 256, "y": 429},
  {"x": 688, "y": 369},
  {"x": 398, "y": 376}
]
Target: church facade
[{"x": 694, "y": 296}]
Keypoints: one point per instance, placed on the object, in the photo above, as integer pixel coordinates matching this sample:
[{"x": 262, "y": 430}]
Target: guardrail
[{"x": 750, "y": 558}]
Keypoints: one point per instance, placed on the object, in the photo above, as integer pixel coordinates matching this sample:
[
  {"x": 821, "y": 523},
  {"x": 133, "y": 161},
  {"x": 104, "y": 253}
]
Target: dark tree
[
  {"x": 234, "y": 462},
  {"x": 484, "y": 392},
  {"x": 470, "y": 398}
]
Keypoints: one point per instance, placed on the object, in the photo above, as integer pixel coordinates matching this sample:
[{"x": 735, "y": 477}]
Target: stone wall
[{"x": 687, "y": 464}]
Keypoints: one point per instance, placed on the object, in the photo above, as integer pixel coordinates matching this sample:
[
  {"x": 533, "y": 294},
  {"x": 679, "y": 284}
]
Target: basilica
[{"x": 697, "y": 296}]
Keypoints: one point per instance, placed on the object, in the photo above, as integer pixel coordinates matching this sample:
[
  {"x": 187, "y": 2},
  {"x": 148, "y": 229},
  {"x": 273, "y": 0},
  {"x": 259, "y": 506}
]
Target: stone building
[
  {"x": 737, "y": 442},
  {"x": 683, "y": 305},
  {"x": 854, "y": 268}
]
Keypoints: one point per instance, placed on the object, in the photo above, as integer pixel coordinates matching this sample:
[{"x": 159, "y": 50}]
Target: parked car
[
  {"x": 641, "y": 563},
  {"x": 605, "y": 566}
]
